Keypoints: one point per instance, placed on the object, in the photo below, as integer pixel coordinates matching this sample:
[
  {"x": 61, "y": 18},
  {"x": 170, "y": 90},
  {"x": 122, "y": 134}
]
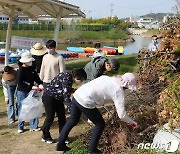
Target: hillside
[{"x": 157, "y": 16}]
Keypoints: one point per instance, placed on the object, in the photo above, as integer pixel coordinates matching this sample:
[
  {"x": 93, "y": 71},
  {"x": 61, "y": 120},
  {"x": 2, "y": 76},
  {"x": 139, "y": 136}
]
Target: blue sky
[{"x": 123, "y": 8}]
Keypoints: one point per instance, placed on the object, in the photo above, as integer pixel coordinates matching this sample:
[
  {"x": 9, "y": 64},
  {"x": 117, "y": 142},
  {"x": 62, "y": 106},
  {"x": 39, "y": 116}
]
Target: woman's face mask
[
  {"x": 51, "y": 51},
  {"x": 29, "y": 63}
]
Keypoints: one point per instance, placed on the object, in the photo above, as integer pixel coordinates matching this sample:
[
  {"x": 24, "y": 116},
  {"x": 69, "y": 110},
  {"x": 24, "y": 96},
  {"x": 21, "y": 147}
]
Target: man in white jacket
[{"x": 97, "y": 92}]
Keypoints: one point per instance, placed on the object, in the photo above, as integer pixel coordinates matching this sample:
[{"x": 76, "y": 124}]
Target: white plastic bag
[{"x": 31, "y": 106}]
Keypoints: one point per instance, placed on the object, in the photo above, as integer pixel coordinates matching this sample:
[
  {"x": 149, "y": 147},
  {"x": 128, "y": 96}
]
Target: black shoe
[
  {"x": 96, "y": 151},
  {"x": 62, "y": 147},
  {"x": 48, "y": 140}
]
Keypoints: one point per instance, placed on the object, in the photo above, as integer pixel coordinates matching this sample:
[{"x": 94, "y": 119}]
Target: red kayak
[{"x": 109, "y": 51}]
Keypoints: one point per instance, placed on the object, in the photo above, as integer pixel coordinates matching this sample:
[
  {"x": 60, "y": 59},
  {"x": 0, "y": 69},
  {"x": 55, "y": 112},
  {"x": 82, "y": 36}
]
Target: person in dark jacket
[
  {"x": 99, "y": 65},
  {"x": 26, "y": 76},
  {"x": 56, "y": 92},
  {"x": 38, "y": 51}
]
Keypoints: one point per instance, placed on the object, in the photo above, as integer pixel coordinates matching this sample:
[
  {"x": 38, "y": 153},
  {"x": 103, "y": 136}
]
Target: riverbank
[
  {"x": 150, "y": 32},
  {"x": 91, "y": 42},
  {"x": 71, "y": 36}
]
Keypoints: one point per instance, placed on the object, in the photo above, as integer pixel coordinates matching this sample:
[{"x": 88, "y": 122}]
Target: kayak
[
  {"x": 75, "y": 49},
  {"x": 110, "y": 47},
  {"x": 89, "y": 50},
  {"x": 109, "y": 51}
]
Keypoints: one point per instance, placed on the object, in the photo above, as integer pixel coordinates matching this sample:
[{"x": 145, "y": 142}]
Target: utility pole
[
  {"x": 89, "y": 13},
  {"x": 111, "y": 5}
]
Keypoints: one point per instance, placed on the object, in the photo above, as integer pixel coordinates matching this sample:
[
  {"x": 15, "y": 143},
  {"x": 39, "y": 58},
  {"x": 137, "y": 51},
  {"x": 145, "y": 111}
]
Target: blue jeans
[
  {"x": 34, "y": 122},
  {"x": 92, "y": 114},
  {"x": 11, "y": 110}
]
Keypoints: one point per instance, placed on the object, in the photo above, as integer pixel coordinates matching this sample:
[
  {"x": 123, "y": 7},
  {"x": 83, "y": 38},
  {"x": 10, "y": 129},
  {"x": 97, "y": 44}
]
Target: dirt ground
[{"x": 30, "y": 142}]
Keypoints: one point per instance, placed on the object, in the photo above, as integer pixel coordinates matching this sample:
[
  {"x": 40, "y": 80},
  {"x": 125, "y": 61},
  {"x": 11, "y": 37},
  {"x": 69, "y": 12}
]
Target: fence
[{"x": 51, "y": 27}]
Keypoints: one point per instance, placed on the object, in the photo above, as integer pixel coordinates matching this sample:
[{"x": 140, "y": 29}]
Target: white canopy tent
[{"x": 35, "y": 9}]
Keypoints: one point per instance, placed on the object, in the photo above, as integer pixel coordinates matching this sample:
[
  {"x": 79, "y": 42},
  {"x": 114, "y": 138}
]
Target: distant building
[
  {"x": 22, "y": 20},
  {"x": 133, "y": 19},
  {"x": 143, "y": 22},
  {"x": 4, "y": 18},
  {"x": 26, "y": 20},
  {"x": 153, "y": 25}
]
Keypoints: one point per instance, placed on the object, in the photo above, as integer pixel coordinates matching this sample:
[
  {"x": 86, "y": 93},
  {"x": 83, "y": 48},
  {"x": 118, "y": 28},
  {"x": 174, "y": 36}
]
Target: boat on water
[{"x": 75, "y": 49}]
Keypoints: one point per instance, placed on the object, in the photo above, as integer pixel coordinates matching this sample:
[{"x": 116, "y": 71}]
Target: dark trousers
[
  {"x": 93, "y": 114},
  {"x": 52, "y": 106}
]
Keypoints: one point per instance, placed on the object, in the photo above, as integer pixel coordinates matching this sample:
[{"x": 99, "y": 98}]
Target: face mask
[
  {"x": 29, "y": 63},
  {"x": 51, "y": 51}
]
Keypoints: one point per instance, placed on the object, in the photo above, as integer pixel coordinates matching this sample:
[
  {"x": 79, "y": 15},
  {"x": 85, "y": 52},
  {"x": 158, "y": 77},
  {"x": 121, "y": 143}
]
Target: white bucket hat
[
  {"x": 26, "y": 57},
  {"x": 127, "y": 80},
  {"x": 38, "y": 49}
]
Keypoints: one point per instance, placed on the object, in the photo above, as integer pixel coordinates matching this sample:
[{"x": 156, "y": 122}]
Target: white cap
[{"x": 26, "y": 57}]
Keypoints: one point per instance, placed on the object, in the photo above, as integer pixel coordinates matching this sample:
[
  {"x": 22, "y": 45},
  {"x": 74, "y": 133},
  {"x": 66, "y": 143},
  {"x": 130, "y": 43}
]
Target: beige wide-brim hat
[
  {"x": 26, "y": 57},
  {"x": 38, "y": 49}
]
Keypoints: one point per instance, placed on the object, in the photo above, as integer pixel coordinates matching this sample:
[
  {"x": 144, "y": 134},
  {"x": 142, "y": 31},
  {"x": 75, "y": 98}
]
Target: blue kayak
[
  {"x": 2, "y": 43},
  {"x": 75, "y": 49},
  {"x": 110, "y": 47},
  {"x": 63, "y": 54}
]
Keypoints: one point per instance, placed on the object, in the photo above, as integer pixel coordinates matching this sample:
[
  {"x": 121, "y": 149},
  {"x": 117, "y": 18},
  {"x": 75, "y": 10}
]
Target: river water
[
  {"x": 139, "y": 43},
  {"x": 130, "y": 48}
]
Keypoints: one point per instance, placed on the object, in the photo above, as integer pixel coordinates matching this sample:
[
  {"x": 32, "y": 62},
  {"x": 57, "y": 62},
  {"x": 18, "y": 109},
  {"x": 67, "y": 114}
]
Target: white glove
[
  {"x": 41, "y": 87},
  {"x": 34, "y": 88}
]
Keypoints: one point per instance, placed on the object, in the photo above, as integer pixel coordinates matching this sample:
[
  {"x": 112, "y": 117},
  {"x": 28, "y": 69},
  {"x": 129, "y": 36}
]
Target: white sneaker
[
  {"x": 50, "y": 140},
  {"x": 20, "y": 131},
  {"x": 35, "y": 129},
  {"x": 89, "y": 121},
  {"x": 67, "y": 142}
]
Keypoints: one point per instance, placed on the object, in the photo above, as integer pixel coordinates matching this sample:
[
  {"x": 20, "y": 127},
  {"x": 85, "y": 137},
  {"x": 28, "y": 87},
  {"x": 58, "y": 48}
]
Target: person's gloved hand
[
  {"x": 34, "y": 87},
  {"x": 40, "y": 87},
  {"x": 133, "y": 125}
]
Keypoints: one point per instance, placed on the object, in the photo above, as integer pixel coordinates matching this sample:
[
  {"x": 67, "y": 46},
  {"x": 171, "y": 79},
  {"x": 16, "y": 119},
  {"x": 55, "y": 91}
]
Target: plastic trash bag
[
  {"x": 31, "y": 106},
  {"x": 167, "y": 140}
]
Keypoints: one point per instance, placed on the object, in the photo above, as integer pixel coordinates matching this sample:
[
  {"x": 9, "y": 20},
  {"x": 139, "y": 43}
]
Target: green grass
[
  {"x": 68, "y": 35},
  {"x": 77, "y": 148},
  {"x": 128, "y": 63}
]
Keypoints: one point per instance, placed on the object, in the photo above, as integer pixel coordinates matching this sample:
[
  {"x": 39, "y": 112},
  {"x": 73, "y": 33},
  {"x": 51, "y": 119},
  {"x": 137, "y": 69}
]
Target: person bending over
[{"x": 97, "y": 92}]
